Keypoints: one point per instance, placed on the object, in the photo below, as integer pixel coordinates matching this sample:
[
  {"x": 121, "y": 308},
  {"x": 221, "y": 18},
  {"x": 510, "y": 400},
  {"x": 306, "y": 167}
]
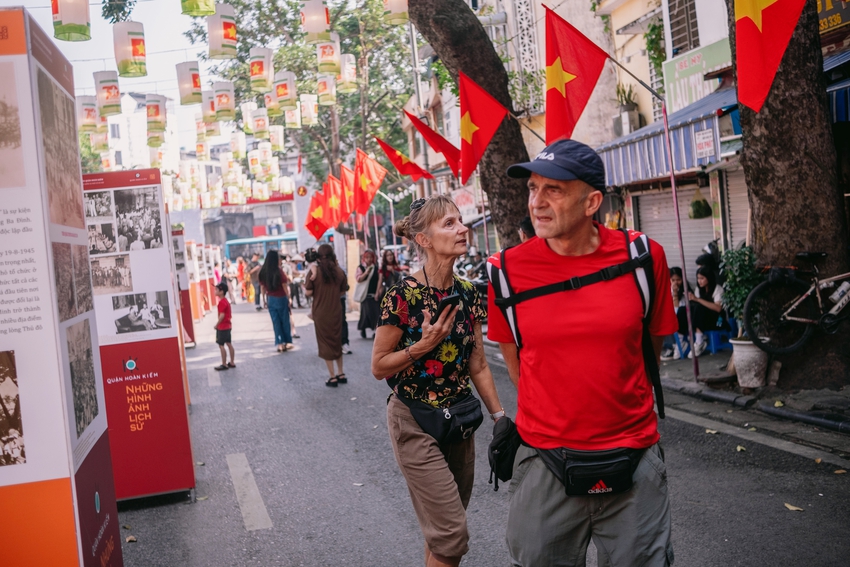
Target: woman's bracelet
[{"x": 409, "y": 356}]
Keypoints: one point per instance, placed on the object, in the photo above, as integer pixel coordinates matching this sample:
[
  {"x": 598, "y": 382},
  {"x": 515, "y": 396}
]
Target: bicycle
[{"x": 782, "y": 312}]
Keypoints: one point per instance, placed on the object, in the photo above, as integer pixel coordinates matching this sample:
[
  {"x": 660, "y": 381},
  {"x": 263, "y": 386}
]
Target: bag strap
[{"x": 503, "y": 291}]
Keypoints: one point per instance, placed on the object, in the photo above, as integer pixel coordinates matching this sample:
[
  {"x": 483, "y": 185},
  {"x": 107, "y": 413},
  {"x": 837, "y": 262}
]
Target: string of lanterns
[{"x": 336, "y": 74}]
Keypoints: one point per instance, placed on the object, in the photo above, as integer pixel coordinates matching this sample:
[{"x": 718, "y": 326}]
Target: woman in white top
[{"x": 706, "y": 308}]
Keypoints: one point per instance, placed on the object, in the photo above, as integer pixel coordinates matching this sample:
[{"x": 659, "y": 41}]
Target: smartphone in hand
[{"x": 446, "y": 303}]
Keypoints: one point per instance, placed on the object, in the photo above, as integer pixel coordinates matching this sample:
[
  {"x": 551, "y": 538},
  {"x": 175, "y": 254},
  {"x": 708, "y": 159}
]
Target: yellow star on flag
[
  {"x": 256, "y": 69},
  {"x": 349, "y": 193},
  {"x": 364, "y": 182},
  {"x": 333, "y": 202},
  {"x": 467, "y": 128},
  {"x": 140, "y": 48},
  {"x": 403, "y": 157},
  {"x": 317, "y": 212},
  {"x": 557, "y": 78},
  {"x": 751, "y": 9}
]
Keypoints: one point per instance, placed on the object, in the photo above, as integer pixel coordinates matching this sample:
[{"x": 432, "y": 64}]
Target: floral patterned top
[{"x": 439, "y": 377}]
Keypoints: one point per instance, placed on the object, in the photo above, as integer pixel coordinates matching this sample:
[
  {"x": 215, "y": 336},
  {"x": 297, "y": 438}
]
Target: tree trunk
[
  {"x": 460, "y": 40},
  {"x": 791, "y": 172}
]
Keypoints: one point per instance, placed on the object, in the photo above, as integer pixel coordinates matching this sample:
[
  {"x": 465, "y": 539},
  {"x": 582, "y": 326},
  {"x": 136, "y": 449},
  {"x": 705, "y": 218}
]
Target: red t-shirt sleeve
[
  {"x": 497, "y": 327},
  {"x": 662, "y": 320}
]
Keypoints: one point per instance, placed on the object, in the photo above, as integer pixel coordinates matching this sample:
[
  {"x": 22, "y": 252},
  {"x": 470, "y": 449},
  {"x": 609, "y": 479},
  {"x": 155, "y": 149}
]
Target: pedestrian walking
[
  {"x": 368, "y": 276},
  {"x": 254, "y": 275},
  {"x": 390, "y": 272},
  {"x": 591, "y": 466},
  {"x": 240, "y": 276},
  {"x": 325, "y": 281},
  {"x": 223, "y": 327},
  {"x": 429, "y": 364},
  {"x": 275, "y": 285}
]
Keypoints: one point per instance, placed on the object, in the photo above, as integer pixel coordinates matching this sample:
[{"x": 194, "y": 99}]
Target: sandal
[
  {"x": 231, "y": 365},
  {"x": 221, "y": 367},
  {"x": 332, "y": 382},
  {"x": 281, "y": 348},
  {"x": 342, "y": 379}
]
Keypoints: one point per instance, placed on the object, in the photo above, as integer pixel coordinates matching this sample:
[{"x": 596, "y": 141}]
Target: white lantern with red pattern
[
  {"x": 328, "y": 55},
  {"x": 395, "y": 12},
  {"x": 261, "y": 69},
  {"x": 155, "y": 105},
  {"x": 248, "y": 109},
  {"x": 225, "y": 101},
  {"x": 221, "y": 32},
  {"x": 292, "y": 118},
  {"x": 189, "y": 82},
  {"x": 347, "y": 80},
  {"x": 309, "y": 109},
  {"x": 208, "y": 106},
  {"x": 107, "y": 92},
  {"x": 326, "y": 86},
  {"x": 315, "y": 20},
  {"x": 71, "y": 20},
  {"x": 130, "y": 53},
  {"x": 87, "y": 113},
  {"x": 284, "y": 86},
  {"x": 276, "y": 137},
  {"x": 261, "y": 123}
]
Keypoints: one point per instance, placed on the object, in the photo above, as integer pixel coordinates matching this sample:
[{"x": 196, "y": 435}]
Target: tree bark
[
  {"x": 460, "y": 40},
  {"x": 791, "y": 171}
]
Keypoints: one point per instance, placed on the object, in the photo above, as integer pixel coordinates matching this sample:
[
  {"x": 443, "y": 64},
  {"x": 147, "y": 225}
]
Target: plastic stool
[
  {"x": 683, "y": 351},
  {"x": 717, "y": 341}
]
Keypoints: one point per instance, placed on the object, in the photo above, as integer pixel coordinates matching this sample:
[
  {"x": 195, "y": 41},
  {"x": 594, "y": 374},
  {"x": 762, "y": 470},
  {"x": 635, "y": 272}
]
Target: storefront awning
[{"x": 640, "y": 156}]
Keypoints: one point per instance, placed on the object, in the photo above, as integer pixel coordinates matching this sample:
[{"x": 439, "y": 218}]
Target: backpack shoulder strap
[
  {"x": 504, "y": 292},
  {"x": 645, "y": 281}
]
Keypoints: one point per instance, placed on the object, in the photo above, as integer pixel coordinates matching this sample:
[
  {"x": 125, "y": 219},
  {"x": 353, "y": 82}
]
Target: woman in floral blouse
[{"x": 434, "y": 364}]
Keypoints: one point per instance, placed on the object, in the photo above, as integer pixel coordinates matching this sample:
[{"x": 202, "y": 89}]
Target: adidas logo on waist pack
[{"x": 599, "y": 488}]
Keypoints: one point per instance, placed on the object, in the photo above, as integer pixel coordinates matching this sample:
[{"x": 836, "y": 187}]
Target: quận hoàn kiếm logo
[{"x": 130, "y": 365}]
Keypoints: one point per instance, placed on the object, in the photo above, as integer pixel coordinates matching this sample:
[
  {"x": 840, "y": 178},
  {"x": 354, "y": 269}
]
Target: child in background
[{"x": 223, "y": 327}]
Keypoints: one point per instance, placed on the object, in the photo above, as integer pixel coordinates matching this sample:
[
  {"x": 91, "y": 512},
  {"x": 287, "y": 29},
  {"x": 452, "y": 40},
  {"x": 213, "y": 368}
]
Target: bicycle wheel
[{"x": 763, "y": 316}]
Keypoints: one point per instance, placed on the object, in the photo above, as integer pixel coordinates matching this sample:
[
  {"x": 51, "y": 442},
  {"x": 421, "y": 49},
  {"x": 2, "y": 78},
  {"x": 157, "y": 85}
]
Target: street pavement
[{"x": 293, "y": 473}]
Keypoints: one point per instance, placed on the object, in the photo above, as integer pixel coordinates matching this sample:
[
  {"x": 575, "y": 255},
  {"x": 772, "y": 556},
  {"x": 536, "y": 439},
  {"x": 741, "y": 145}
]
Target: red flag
[
  {"x": 402, "y": 163},
  {"x": 573, "y": 66},
  {"x": 314, "y": 223},
  {"x": 368, "y": 176},
  {"x": 299, "y": 163},
  {"x": 480, "y": 117},
  {"x": 440, "y": 144},
  {"x": 763, "y": 29},
  {"x": 347, "y": 180},
  {"x": 333, "y": 190}
]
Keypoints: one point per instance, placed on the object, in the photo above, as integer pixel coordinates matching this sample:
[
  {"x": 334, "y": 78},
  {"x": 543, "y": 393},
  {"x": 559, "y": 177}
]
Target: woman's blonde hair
[{"x": 424, "y": 213}]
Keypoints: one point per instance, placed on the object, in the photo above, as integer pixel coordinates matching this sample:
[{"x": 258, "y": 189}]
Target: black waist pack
[
  {"x": 451, "y": 424},
  {"x": 586, "y": 473},
  {"x": 502, "y": 450}
]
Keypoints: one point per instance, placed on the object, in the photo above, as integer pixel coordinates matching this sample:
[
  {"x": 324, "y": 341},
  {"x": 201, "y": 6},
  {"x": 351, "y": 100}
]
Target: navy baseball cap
[{"x": 564, "y": 160}]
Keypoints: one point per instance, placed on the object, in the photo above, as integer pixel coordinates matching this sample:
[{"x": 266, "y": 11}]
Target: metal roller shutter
[
  {"x": 656, "y": 220},
  {"x": 737, "y": 207}
]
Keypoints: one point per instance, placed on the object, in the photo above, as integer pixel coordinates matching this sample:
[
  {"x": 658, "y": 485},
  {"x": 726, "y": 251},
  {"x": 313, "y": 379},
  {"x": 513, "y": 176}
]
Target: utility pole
[{"x": 419, "y": 107}]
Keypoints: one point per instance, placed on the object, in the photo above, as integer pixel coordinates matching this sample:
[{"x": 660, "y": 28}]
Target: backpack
[{"x": 639, "y": 265}]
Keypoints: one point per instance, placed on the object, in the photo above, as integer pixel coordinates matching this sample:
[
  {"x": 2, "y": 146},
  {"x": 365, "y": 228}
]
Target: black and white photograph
[
  {"x": 61, "y": 153},
  {"x": 82, "y": 279},
  {"x": 63, "y": 273},
  {"x": 111, "y": 274},
  {"x": 138, "y": 312},
  {"x": 138, "y": 220},
  {"x": 11, "y": 426},
  {"x": 98, "y": 205},
  {"x": 83, "y": 386},
  {"x": 102, "y": 239},
  {"x": 11, "y": 153}
]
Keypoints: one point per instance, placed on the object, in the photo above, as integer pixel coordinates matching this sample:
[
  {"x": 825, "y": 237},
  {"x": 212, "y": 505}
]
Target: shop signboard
[
  {"x": 684, "y": 82},
  {"x": 832, "y": 14},
  {"x": 466, "y": 202},
  {"x": 57, "y": 497},
  {"x": 704, "y": 140},
  {"x": 137, "y": 322}
]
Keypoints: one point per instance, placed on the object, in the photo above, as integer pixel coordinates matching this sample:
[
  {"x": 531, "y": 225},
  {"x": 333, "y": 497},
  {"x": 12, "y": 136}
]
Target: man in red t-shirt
[{"x": 580, "y": 375}]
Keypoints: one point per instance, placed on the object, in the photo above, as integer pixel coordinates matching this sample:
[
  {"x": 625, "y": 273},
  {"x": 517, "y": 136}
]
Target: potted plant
[
  {"x": 628, "y": 119},
  {"x": 739, "y": 269},
  {"x": 626, "y": 98}
]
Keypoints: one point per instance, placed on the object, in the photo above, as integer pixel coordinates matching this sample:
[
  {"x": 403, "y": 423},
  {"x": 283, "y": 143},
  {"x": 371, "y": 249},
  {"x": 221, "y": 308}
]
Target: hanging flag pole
[
  {"x": 668, "y": 149},
  {"x": 529, "y": 128}
]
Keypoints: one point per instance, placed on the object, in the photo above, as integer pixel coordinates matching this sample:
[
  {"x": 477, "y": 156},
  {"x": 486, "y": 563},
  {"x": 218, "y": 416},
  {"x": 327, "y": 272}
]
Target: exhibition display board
[
  {"x": 57, "y": 497},
  {"x": 181, "y": 261},
  {"x": 134, "y": 302},
  {"x": 193, "y": 268}
]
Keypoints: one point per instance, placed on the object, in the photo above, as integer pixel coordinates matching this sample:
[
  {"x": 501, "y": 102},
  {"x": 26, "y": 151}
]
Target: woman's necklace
[{"x": 431, "y": 295}]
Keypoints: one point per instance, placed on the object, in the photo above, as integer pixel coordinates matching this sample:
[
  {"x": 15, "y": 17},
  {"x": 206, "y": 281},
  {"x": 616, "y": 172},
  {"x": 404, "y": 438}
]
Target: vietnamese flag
[
  {"x": 196, "y": 81},
  {"x": 480, "y": 117},
  {"x": 138, "y": 46},
  {"x": 315, "y": 213},
  {"x": 573, "y": 66},
  {"x": 333, "y": 190},
  {"x": 229, "y": 30},
  {"x": 440, "y": 144},
  {"x": 257, "y": 69},
  {"x": 402, "y": 163},
  {"x": 763, "y": 29},
  {"x": 368, "y": 176},
  {"x": 347, "y": 181}
]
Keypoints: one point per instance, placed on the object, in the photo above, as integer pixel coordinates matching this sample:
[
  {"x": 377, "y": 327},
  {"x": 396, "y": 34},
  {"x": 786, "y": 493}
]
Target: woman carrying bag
[
  {"x": 368, "y": 283},
  {"x": 325, "y": 281},
  {"x": 275, "y": 284},
  {"x": 432, "y": 413}
]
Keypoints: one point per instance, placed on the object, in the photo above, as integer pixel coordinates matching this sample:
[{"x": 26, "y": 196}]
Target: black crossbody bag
[{"x": 451, "y": 424}]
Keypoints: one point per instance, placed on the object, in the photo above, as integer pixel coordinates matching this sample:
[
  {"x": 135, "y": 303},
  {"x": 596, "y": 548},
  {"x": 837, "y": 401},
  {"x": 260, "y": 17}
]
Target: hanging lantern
[
  {"x": 99, "y": 142},
  {"x": 286, "y": 185},
  {"x": 107, "y": 92},
  {"x": 200, "y": 128},
  {"x": 198, "y": 7},
  {"x": 292, "y": 118},
  {"x": 156, "y": 112},
  {"x": 156, "y": 139},
  {"x": 71, "y": 20},
  {"x": 247, "y": 109},
  {"x": 156, "y": 158},
  {"x": 102, "y": 125},
  {"x": 265, "y": 149},
  {"x": 315, "y": 21},
  {"x": 309, "y": 109},
  {"x": 276, "y": 138},
  {"x": 87, "y": 113},
  {"x": 208, "y": 106},
  {"x": 189, "y": 82},
  {"x": 225, "y": 101},
  {"x": 202, "y": 151},
  {"x": 129, "y": 41},
  {"x": 395, "y": 12},
  {"x": 284, "y": 86},
  {"x": 238, "y": 144},
  {"x": 211, "y": 130},
  {"x": 347, "y": 80},
  {"x": 260, "y": 62},
  {"x": 327, "y": 90},
  {"x": 254, "y": 163},
  {"x": 107, "y": 162},
  {"x": 272, "y": 106},
  {"x": 221, "y": 32},
  {"x": 260, "y": 120},
  {"x": 328, "y": 55}
]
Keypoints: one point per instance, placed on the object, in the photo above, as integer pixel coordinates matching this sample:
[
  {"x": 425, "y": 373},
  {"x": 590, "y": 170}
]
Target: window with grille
[
  {"x": 683, "y": 26},
  {"x": 656, "y": 81}
]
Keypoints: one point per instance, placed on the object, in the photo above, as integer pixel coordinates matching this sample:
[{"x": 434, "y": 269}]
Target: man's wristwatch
[{"x": 497, "y": 415}]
